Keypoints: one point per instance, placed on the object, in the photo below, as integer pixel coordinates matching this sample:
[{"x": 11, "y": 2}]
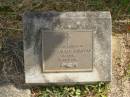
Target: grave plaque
[
  {"x": 67, "y": 47},
  {"x": 71, "y": 53}
]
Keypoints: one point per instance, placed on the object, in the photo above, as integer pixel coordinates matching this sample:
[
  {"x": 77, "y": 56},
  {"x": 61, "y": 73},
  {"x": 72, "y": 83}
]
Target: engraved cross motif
[{"x": 67, "y": 36}]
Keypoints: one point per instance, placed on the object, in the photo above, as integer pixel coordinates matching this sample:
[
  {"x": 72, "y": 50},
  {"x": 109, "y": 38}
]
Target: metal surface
[{"x": 67, "y": 51}]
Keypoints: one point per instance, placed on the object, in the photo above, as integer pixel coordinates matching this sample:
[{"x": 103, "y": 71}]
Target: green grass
[
  {"x": 11, "y": 37},
  {"x": 96, "y": 90}
]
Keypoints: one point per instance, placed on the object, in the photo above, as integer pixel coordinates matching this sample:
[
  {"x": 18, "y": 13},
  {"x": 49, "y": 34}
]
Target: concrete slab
[{"x": 98, "y": 23}]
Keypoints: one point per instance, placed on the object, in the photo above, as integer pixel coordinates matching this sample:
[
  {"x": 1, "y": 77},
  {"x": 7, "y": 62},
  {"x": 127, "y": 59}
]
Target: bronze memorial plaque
[{"x": 67, "y": 51}]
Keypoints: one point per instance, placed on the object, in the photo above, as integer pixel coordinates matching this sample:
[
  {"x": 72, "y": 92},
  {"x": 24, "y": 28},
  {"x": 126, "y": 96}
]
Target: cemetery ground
[{"x": 11, "y": 50}]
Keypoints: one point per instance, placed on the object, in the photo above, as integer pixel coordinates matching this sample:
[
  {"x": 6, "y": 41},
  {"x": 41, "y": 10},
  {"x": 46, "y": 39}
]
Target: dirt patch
[{"x": 119, "y": 86}]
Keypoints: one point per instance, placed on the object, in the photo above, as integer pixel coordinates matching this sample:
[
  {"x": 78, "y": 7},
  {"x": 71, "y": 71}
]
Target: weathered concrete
[{"x": 99, "y": 23}]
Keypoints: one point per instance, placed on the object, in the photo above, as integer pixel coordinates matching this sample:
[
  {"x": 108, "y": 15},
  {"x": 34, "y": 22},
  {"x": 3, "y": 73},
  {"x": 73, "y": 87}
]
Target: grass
[
  {"x": 96, "y": 90},
  {"x": 11, "y": 45}
]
